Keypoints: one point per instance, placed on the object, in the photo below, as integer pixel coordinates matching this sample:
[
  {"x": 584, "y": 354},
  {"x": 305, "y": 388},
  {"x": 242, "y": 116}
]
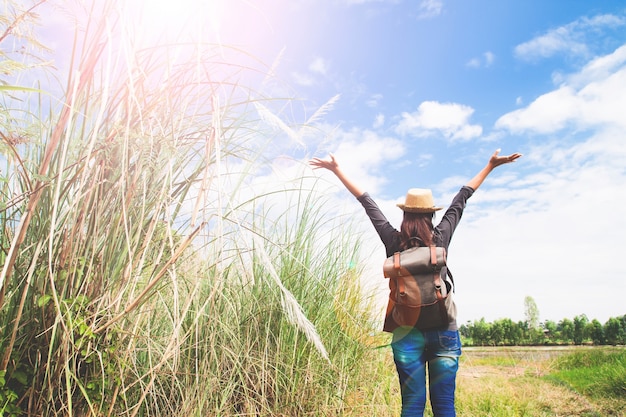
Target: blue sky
[
  {"x": 419, "y": 94},
  {"x": 428, "y": 89}
]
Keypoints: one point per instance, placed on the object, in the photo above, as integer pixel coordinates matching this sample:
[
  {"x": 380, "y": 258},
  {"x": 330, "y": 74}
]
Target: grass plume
[{"x": 137, "y": 278}]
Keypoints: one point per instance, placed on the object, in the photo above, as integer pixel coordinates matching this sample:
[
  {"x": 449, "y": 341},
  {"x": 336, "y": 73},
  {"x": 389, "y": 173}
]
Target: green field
[
  {"x": 555, "y": 381},
  {"x": 513, "y": 381}
]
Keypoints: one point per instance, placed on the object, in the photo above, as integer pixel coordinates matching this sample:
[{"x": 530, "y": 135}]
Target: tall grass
[
  {"x": 141, "y": 274},
  {"x": 595, "y": 373}
]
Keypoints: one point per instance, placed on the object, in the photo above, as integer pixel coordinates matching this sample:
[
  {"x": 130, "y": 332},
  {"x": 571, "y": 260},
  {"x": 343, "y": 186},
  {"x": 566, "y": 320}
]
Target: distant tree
[
  {"x": 622, "y": 321},
  {"x": 465, "y": 330},
  {"x": 536, "y": 336},
  {"x": 524, "y": 333},
  {"x": 497, "y": 333},
  {"x": 531, "y": 312},
  {"x": 580, "y": 329},
  {"x": 596, "y": 332},
  {"x": 565, "y": 330},
  {"x": 550, "y": 327},
  {"x": 512, "y": 332},
  {"x": 614, "y": 332},
  {"x": 481, "y": 332}
]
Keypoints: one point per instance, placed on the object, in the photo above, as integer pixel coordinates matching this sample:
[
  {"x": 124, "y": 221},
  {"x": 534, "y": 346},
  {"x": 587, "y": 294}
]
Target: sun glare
[
  {"x": 237, "y": 23},
  {"x": 172, "y": 20}
]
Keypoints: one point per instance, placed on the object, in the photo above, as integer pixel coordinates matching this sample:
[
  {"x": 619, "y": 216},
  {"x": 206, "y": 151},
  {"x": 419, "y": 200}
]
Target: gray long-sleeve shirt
[{"x": 442, "y": 233}]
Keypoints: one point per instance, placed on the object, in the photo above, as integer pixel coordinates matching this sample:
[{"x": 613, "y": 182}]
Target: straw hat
[{"x": 419, "y": 200}]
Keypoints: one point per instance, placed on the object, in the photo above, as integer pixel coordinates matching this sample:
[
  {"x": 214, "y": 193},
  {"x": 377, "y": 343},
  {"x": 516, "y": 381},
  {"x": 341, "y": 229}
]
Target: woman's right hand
[
  {"x": 329, "y": 164},
  {"x": 332, "y": 165}
]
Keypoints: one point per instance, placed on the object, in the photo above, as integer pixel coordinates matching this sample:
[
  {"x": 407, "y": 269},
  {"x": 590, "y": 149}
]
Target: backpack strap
[
  {"x": 433, "y": 255},
  {"x": 399, "y": 279},
  {"x": 451, "y": 278},
  {"x": 396, "y": 260},
  {"x": 433, "y": 261}
]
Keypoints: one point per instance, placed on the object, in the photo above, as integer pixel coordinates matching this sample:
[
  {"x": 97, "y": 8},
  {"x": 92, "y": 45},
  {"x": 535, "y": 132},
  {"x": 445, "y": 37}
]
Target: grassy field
[
  {"x": 541, "y": 382},
  {"x": 514, "y": 381}
]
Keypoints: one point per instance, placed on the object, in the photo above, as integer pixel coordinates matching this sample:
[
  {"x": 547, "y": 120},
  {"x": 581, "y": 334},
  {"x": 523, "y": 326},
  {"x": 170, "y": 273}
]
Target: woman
[{"x": 415, "y": 350}]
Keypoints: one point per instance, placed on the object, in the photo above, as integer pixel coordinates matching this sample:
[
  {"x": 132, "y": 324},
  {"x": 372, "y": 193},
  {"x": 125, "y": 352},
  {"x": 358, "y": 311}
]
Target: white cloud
[
  {"x": 474, "y": 63},
  {"x": 557, "y": 40},
  {"x": 424, "y": 159},
  {"x": 484, "y": 61},
  {"x": 429, "y": 8},
  {"x": 379, "y": 121},
  {"x": 374, "y": 100},
  {"x": 569, "y": 39},
  {"x": 319, "y": 66},
  {"x": 449, "y": 119},
  {"x": 592, "y": 98},
  {"x": 363, "y": 154},
  {"x": 548, "y": 113},
  {"x": 489, "y": 58},
  {"x": 302, "y": 79},
  {"x": 600, "y": 67},
  {"x": 351, "y": 2}
]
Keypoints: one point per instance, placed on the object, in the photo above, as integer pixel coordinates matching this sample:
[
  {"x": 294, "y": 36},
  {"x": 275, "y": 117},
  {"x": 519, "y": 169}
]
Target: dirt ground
[{"x": 515, "y": 379}]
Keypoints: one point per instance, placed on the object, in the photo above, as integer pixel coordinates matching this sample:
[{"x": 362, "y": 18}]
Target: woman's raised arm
[
  {"x": 495, "y": 161},
  {"x": 332, "y": 165}
]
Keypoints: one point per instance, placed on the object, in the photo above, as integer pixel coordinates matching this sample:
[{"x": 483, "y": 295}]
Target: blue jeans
[{"x": 412, "y": 350}]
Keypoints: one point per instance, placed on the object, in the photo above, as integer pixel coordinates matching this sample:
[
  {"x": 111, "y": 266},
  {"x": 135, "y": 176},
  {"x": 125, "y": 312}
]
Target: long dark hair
[{"x": 416, "y": 230}]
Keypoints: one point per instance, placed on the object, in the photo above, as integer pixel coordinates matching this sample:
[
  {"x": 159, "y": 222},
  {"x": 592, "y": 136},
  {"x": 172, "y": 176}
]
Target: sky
[
  {"x": 429, "y": 89},
  {"x": 419, "y": 93}
]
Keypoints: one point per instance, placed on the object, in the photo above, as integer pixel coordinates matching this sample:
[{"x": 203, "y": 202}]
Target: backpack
[{"x": 420, "y": 292}]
